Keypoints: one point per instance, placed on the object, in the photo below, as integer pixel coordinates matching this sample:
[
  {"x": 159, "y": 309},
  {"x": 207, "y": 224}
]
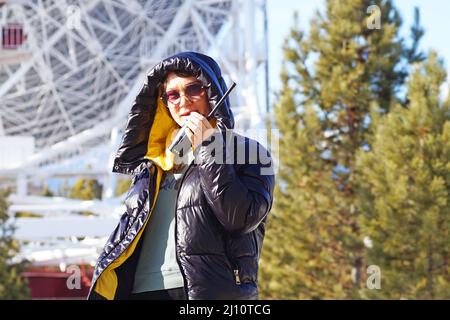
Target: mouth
[{"x": 185, "y": 113}]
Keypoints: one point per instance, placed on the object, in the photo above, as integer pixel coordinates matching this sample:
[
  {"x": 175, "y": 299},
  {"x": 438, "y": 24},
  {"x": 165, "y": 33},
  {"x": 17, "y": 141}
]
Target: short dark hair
[{"x": 183, "y": 74}]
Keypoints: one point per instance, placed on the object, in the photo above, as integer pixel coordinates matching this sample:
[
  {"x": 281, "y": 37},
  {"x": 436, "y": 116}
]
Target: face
[{"x": 191, "y": 97}]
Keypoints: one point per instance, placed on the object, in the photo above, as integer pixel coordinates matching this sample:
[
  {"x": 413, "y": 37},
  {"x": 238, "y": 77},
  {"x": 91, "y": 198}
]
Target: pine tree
[
  {"x": 331, "y": 80},
  {"x": 86, "y": 189},
  {"x": 12, "y": 285},
  {"x": 47, "y": 192},
  {"x": 405, "y": 192}
]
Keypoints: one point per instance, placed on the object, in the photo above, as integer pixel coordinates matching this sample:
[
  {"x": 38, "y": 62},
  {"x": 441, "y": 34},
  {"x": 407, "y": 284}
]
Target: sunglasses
[{"x": 191, "y": 91}]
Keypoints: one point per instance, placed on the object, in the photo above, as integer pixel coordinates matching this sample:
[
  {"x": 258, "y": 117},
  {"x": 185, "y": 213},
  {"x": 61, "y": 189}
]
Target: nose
[{"x": 184, "y": 101}]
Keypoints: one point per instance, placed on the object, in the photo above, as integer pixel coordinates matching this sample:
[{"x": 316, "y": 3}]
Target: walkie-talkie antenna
[{"x": 221, "y": 101}]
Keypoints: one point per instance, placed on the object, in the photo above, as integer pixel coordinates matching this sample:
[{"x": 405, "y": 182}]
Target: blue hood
[{"x": 134, "y": 146}]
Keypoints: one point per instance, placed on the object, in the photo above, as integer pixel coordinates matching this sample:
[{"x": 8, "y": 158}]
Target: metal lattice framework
[{"x": 71, "y": 83}]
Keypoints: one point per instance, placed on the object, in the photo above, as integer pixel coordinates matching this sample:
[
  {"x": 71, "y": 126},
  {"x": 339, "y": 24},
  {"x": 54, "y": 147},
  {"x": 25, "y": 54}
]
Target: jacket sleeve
[{"x": 239, "y": 195}]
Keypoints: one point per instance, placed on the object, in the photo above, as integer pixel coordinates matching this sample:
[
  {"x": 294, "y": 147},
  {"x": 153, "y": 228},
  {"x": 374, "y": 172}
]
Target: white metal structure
[{"x": 70, "y": 85}]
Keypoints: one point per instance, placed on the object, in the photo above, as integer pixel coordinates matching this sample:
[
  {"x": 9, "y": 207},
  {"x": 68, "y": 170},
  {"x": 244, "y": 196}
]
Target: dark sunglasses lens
[
  {"x": 172, "y": 96},
  {"x": 194, "y": 90}
]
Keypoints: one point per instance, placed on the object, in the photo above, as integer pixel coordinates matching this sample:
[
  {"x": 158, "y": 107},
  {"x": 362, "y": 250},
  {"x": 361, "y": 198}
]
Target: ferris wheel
[{"x": 69, "y": 72}]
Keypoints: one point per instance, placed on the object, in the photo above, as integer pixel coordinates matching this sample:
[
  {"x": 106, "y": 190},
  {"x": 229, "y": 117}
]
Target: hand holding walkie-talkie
[{"x": 181, "y": 139}]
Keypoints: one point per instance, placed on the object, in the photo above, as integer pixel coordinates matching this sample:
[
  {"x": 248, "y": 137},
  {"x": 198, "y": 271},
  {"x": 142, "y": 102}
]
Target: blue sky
[{"x": 434, "y": 18}]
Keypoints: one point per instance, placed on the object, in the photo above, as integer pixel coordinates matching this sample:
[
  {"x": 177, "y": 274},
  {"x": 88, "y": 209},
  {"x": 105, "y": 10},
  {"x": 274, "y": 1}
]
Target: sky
[{"x": 434, "y": 16}]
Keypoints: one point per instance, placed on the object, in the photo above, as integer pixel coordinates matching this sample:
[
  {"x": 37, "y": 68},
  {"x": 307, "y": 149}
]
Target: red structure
[
  {"x": 51, "y": 284},
  {"x": 13, "y": 36}
]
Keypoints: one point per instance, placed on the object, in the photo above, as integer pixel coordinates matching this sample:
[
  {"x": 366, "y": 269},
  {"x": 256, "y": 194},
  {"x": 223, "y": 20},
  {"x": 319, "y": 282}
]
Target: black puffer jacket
[{"x": 221, "y": 207}]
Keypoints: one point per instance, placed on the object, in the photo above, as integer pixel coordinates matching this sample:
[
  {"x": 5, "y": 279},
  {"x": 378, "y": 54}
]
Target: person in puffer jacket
[{"x": 194, "y": 224}]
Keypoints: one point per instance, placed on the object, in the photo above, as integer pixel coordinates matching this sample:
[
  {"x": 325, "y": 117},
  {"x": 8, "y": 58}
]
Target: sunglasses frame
[{"x": 166, "y": 101}]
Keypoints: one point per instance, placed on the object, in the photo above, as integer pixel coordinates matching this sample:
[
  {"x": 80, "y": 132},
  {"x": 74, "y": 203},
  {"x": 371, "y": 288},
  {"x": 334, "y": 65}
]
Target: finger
[
  {"x": 198, "y": 123},
  {"x": 194, "y": 137},
  {"x": 195, "y": 119},
  {"x": 193, "y": 126},
  {"x": 204, "y": 121},
  {"x": 196, "y": 114}
]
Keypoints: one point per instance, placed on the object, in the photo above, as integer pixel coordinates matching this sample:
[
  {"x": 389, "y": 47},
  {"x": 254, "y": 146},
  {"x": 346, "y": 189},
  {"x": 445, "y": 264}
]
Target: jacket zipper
[
  {"x": 235, "y": 267},
  {"x": 176, "y": 238},
  {"x": 150, "y": 199},
  {"x": 236, "y": 276}
]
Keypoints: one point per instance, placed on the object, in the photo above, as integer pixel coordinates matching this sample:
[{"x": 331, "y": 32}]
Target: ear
[{"x": 160, "y": 89}]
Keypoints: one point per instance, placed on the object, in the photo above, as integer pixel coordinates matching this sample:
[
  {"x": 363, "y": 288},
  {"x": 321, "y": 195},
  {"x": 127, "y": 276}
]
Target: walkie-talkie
[{"x": 181, "y": 139}]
